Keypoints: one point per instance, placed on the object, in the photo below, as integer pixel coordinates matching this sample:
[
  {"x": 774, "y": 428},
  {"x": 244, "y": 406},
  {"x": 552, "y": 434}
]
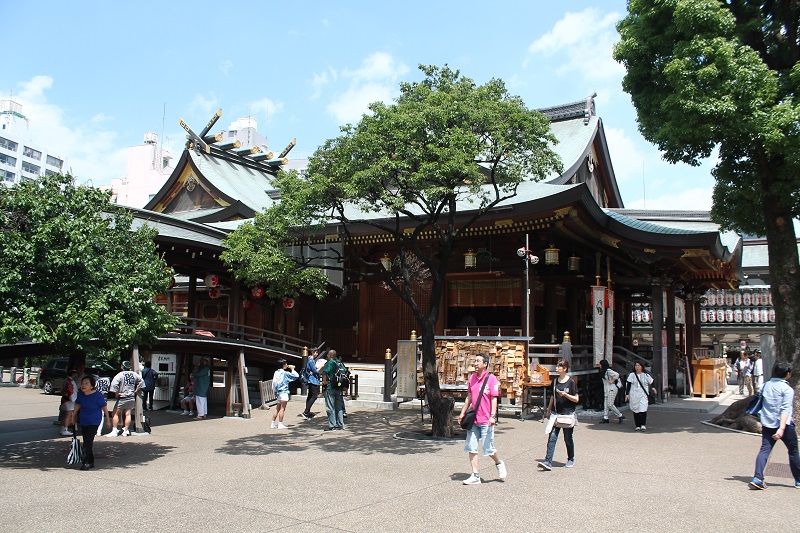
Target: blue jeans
[
  {"x": 767, "y": 443},
  {"x": 334, "y": 404},
  {"x": 551, "y": 443}
]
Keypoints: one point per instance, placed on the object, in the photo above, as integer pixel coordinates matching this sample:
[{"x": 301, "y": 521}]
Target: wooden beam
[
  {"x": 211, "y": 123},
  {"x": 245, "y": 395},
  {"x": 229, "y": 387}
]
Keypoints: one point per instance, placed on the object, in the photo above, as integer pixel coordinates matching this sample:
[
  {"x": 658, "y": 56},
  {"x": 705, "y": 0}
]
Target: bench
[{"x": 268, "y": 396}]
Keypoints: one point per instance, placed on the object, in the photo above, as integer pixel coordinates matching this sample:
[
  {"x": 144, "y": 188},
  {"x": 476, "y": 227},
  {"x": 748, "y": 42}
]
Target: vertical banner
[
  {"x": 599, "y": 321},
  {"x": 609, "y": 325},
  {"x": 406, "y": 369}
]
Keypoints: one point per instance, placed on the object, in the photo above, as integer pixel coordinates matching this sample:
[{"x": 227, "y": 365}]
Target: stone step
[{"x": 370, "y": 404}]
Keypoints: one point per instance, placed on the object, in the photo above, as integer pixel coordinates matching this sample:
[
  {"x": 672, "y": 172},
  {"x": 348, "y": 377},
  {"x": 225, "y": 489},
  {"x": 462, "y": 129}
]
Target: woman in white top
[
  {"x": 610, "y": 389},
  {"x": 636, "y": 394}
]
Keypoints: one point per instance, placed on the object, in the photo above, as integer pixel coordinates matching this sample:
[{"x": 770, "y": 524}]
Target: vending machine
[{"x": 166, "y": 366}]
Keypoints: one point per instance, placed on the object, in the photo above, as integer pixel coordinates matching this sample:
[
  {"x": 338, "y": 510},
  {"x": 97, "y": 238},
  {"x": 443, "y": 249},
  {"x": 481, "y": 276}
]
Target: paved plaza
[{"x": 227, "y": 474}]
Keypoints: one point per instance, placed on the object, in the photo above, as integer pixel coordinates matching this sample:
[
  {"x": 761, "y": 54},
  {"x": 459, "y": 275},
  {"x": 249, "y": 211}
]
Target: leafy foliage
[
  {"x": 420, "y": 172},
  {"x": 73, "y": 274},
  {"x": 705, "y": 74}
]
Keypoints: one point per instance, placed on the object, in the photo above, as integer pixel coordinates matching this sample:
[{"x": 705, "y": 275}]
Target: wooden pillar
[
  {"x": 658, "y": 326},
  {"x": 191, "y": 298},
  {"x": 691, "y": 323},
  {"x": 179, "y": 369},
  {"x": 670, "y": 327},
  {"x": 229, "y": 387},
  {"x": 551, "y": 313},
  {"x": 244, "y": 393}
]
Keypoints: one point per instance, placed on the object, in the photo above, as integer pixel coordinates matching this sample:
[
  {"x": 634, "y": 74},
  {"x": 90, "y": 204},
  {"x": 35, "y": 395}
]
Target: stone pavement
[{"x": 226, "y": 474}]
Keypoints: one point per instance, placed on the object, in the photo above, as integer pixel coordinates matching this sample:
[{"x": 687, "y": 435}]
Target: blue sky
[{"x": 93, "y": 77}]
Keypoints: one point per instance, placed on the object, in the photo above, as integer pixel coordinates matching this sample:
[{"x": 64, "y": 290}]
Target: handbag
[
  {"x": 651, "y": 398},
  {"x": 754, "y": 407},
  {"x": 468, "y": 420}
]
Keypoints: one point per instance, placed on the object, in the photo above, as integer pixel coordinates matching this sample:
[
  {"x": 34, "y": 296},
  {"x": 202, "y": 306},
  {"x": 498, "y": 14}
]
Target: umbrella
[{"x": 75, "y": 455}]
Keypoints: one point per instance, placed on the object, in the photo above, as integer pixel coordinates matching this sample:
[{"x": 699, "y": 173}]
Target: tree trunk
[
  {"x": 785, "y": 286},
  {"x": 441, "y": 408}
]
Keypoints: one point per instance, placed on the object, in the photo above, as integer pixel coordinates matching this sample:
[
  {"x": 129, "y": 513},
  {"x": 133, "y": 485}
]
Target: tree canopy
[
  {"x": 706, "y": 74},
  {"x": 420, "y": 170},
  {"x": 73, "y": 274}
]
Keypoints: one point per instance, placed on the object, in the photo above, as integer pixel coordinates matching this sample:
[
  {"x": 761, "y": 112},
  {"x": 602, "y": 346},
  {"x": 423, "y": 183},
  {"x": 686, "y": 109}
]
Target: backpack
[
  {"x": 341, "y": 376},
  {"x": 304, "y": 375}
]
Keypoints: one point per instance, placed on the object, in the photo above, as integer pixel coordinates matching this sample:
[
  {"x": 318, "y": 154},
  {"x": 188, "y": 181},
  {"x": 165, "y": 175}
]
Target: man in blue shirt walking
[{"x": 777, "y": 400}]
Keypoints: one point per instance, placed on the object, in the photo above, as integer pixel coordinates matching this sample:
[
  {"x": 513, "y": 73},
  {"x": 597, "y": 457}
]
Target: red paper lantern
[
  {"x": 247, "y": 303},
  {"x": 288, "y": 303},
  {"x": 211, "y": 280},
  {"x": 257, "y": 292},
  {"x": 214, "y": 293}
]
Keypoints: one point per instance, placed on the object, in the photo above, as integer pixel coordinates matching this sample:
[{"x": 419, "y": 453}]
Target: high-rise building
[
  {"x": 149, "y": 166},
  {"x": 21, "y": 158}
]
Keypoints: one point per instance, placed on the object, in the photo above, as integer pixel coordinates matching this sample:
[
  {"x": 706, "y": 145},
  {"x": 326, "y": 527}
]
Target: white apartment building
[
  {"x": 20, "y": 157},
  {"x": 149, "y": 166}
]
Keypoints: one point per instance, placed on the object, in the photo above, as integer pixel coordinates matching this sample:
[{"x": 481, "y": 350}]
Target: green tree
[
  {"x": 706, "y": 74},
  {"x": 421, "y": 172},
  {"x": 72, "y": 272}
]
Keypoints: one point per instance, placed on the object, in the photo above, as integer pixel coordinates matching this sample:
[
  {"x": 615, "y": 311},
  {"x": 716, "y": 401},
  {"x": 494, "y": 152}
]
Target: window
[
  {"x": 231, "y": 134},
  {"x": 54, "y": 162},
  {"x": 8, "y": 144},
  {"x": 30, "y": 168},
  {"x": 33, "y": 154},
  {"x": 8, "y": 160},
  {"x": 48, "y": 172},
  {"x": 5, "y": 175}
]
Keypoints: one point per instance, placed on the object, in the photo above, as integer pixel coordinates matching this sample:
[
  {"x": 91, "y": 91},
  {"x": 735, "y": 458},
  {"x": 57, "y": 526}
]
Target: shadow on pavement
[
  {"x": 52, "y": 454},
  {"x": 366, "y": 432}
]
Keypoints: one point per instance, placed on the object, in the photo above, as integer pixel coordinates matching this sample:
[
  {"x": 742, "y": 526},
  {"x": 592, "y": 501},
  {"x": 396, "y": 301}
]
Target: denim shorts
[{"x": 483, "y": 433}]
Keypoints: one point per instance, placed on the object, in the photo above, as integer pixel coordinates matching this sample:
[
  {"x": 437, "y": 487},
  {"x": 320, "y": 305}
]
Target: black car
[{"x": 54, "y": 372}]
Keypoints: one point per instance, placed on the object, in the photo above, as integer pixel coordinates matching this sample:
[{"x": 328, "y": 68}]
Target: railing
[{"x": 291, "y": 346}]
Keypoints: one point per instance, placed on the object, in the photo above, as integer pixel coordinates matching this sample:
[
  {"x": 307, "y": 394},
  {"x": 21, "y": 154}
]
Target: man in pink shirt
[{"x": 485, "y": 418}]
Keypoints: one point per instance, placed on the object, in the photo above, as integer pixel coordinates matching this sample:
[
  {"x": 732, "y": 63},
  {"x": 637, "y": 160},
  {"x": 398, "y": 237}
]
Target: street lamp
[{"x": 528, "y": 258}]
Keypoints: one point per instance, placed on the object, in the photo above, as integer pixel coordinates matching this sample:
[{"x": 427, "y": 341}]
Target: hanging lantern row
[
  {"x": 257, "y": 292},
  {"x": 211, "y": 280}
]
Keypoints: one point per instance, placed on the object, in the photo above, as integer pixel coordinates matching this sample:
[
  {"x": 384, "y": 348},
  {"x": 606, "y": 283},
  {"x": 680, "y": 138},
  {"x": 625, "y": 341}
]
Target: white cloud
[
  {"x": 87, "y": 146},
  {"x": 203, "y": 105},
  {"x": 375, "y": 80},
  {"x": 585, "y": 41},
  {"x": 694, "y": 199},
  {"x": 321, "y": 80},
  {"x": 266, "y": 106}
]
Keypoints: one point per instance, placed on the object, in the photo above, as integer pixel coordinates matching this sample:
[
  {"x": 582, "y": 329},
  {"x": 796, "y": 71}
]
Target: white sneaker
[
  {"x": 191, "y": 413},
  {"x": 501, "y": 471},
  {"x": 281, "y": 426},
  {"x": 185, "y": 413},
  {"x": 126, "y": 433},
  {"x": 273, "y": 425},
  {"x": 114, "y": 433},
  {"x": 644, "y": 428},
  {"x": 66, "y": 432},
  {"x": 474, "y": 479}
]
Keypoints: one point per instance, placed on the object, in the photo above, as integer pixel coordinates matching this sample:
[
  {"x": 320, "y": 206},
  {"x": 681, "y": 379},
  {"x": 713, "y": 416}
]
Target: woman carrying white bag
[{"x": 561, "y": 415}]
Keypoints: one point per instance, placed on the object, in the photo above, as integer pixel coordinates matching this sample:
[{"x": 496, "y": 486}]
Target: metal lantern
[
  {"x": 551, "y": 255},
  {"x": 470, "y": 259},
  {"x": 386, "y": 261},
  {"x": 573, "y": 263}
]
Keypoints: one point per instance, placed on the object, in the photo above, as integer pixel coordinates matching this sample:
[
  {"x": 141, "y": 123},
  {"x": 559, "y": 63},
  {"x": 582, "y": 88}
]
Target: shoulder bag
[
  {"x": 563, "y": 421},
  {"x": 468, "y": 420},
  {"x": 651, "y": 398}
]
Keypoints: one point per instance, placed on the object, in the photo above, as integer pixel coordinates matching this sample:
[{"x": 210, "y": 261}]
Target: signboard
[
  {"x": 664, "y": 361},
  {"x": 609, "y": 346},
  {"x": 406, "y": 369}
]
